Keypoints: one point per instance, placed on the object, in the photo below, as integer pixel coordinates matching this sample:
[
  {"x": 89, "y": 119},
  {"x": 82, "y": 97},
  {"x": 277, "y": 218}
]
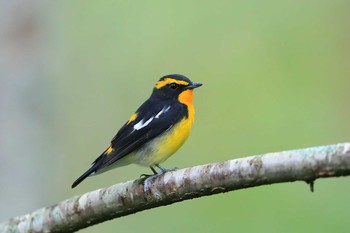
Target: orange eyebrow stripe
[{"x": 167, "y": 81}]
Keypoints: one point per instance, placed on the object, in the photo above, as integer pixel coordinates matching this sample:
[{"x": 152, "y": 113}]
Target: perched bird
[{"x": 154, "y": 132}]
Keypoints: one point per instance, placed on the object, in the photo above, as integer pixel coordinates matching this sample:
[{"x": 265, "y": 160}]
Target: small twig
[
  {"x": 312, "y": 184},
  {"x": 127, "y": 198}
]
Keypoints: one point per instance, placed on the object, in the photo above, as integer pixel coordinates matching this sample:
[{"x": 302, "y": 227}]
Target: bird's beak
[{"x": 194, "y": 85}]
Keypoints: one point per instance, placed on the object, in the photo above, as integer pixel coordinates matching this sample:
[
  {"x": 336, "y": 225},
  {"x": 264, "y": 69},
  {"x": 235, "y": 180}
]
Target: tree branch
[{"x": 127, "y": 198}]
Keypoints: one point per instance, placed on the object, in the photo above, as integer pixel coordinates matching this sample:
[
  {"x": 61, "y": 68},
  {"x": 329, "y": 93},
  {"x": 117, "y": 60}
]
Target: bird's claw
[
  {"x": 149, "y": 178},
  {"x": 164, "y": 170},
  {"x": 148, "y": 181},
  {"x": 145, "y": 175}
]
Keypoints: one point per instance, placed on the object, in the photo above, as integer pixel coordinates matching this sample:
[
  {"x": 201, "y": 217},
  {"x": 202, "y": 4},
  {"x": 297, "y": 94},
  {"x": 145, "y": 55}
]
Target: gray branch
[{"x": 127, "y": 198}]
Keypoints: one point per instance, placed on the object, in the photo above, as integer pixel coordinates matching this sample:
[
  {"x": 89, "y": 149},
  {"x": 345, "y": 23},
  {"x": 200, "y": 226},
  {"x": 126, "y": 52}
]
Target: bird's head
[{"x": 175, "y": 86}]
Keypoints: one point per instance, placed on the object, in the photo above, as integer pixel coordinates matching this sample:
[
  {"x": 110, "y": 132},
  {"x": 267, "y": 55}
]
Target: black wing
[
  {"x": 152, "y": 120},
  {"x": 162, "y": 116}
]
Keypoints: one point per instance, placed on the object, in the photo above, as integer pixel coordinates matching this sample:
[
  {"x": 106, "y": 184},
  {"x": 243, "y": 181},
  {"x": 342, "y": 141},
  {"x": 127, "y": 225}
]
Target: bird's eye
[{"x": 173, "y": 85}]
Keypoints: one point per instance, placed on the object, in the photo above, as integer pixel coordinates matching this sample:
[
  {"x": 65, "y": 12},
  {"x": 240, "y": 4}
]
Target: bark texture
[{"x": 126, "y": 198}]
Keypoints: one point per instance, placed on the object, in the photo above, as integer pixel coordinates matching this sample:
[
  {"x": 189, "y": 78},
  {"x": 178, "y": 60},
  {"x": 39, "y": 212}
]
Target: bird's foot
[
  {"x": 148, "y": 181},
  {"x": 150, "y": 178},
  {"x": 164, "y": 170},
  {"x": 145, "y": 175}
]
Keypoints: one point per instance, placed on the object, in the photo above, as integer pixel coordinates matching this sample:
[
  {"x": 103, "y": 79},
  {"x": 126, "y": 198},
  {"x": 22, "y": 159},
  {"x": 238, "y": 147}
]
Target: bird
[{"x": 157, "y": 129}]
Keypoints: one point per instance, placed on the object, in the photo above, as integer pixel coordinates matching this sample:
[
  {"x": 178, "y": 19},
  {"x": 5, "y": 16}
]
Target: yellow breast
[
  {"x": 175, "y": 138},
  {"x": 160, "y": 149}
]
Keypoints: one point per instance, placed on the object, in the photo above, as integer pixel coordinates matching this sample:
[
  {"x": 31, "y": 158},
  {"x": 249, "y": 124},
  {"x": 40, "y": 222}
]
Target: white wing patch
[
  {"x": 141, "y": 124},
  {"x": 164, "y": 110}
]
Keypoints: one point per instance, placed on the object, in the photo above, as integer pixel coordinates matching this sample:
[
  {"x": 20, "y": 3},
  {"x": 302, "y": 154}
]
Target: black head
[{"x": 172, "y": 85}]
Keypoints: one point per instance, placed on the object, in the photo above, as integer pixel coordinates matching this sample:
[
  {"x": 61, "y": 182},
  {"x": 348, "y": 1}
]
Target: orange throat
[{"x": 186, "y": 98}]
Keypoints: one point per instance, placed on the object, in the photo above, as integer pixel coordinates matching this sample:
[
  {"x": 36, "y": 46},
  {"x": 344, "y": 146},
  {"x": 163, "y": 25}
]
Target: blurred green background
[{"x": 276, "y": 76}]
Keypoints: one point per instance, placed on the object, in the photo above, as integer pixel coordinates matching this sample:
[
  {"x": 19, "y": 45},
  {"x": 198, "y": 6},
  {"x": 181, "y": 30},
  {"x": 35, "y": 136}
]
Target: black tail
[{"x": 91, "y": 170}]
